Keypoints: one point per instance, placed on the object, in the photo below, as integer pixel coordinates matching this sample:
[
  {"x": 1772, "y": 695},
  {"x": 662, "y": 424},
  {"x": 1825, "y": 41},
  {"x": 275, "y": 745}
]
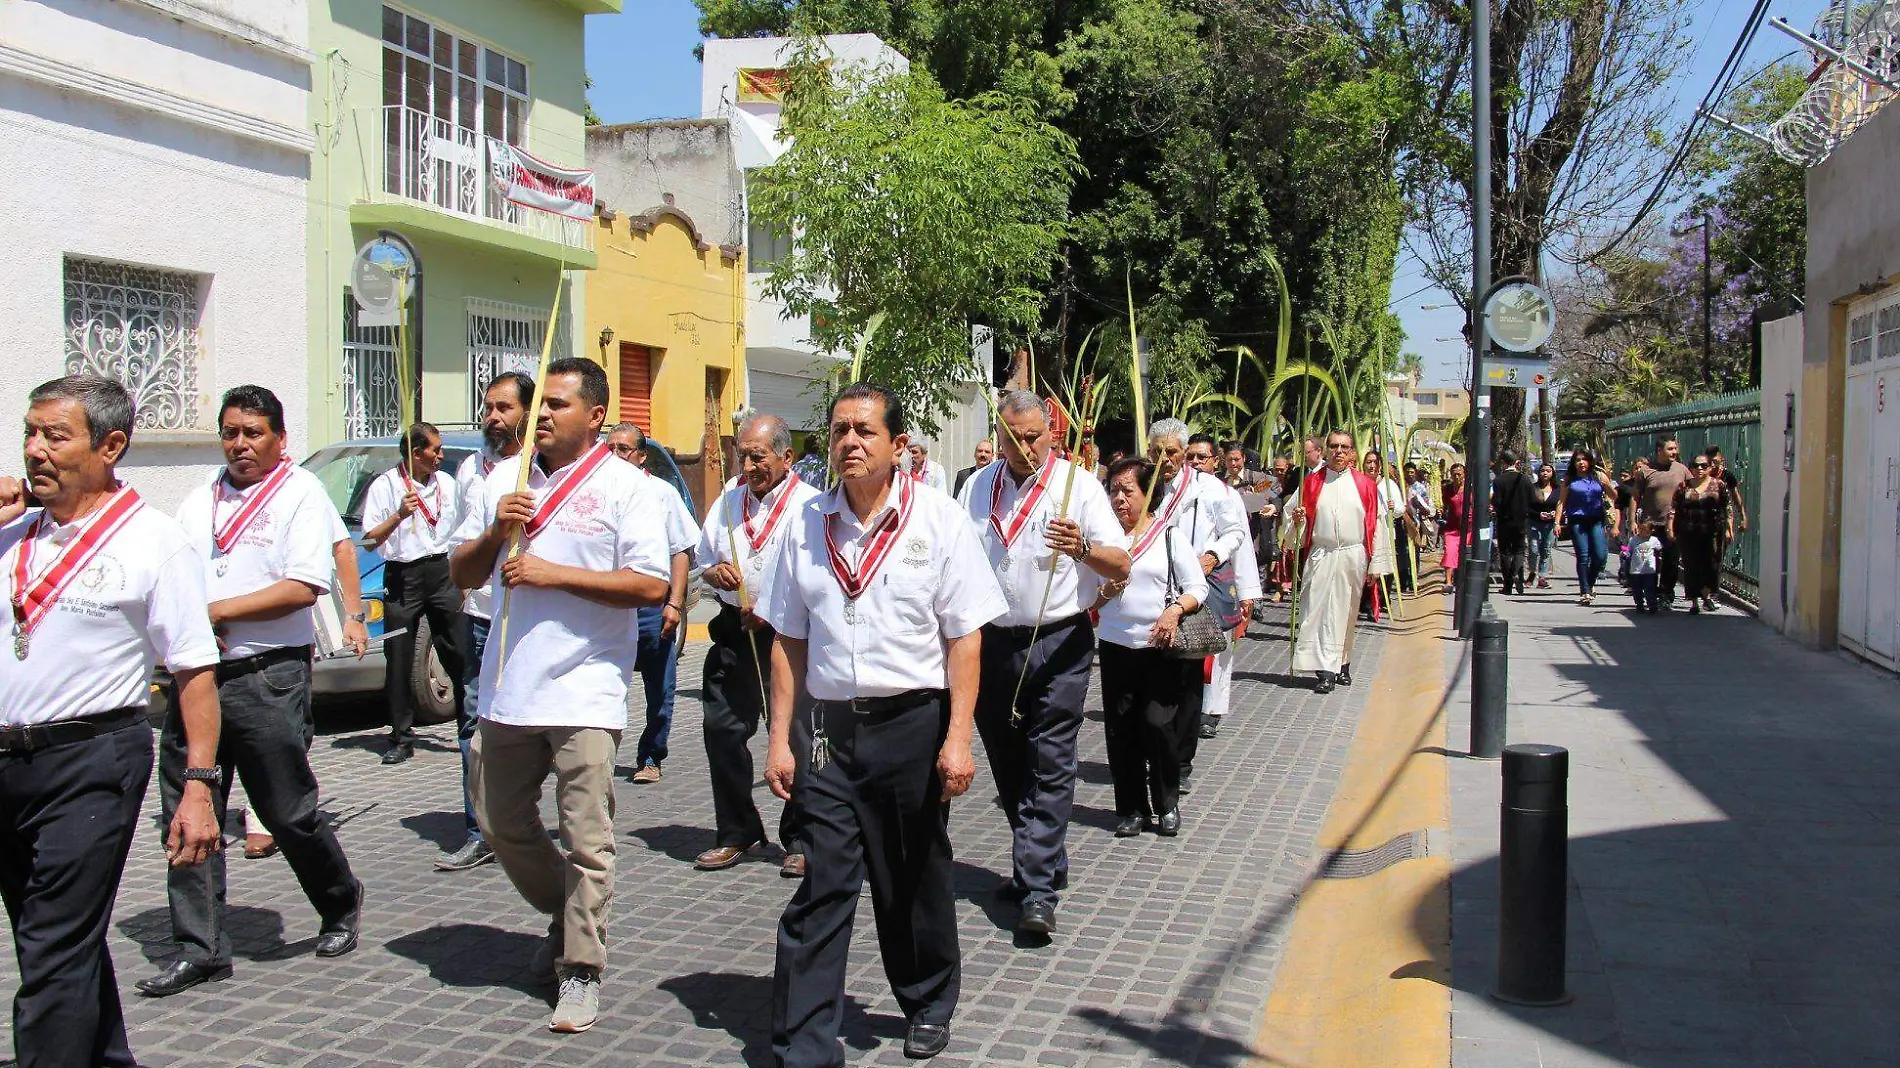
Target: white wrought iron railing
[{"x": 417, "y": 158}]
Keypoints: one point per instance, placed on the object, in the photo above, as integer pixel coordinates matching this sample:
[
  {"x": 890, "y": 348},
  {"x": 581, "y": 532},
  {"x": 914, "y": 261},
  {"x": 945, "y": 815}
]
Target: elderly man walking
[{"x": 1334, "y": 521}]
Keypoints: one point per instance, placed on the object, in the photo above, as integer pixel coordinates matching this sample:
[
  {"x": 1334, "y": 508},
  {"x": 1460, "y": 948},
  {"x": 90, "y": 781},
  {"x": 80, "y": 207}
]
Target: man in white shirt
[
  {"x": 1051, "y": 539},
  {"x": 555, "y": 673},
  {"x": 924, "y": 469},
  {"x": 264, "y": 529},
  {"x": 505, "y": 406},
  {"x": 1335, "y": 519},
  {"x": 660, "y": 636},
  {"x": 101, "y": 589},
  {"x": 409, "y": 516},
  {"x": 743, "y": 532},
  {"x": 1240, "y": 587},
  {"x": 1195, "y": 505},
  {"x": 878, "y": 596}
]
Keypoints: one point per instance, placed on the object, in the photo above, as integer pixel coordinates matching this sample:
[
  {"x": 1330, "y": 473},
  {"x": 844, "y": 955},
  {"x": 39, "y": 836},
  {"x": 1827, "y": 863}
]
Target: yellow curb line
[{"x": 1365, "y": 979}]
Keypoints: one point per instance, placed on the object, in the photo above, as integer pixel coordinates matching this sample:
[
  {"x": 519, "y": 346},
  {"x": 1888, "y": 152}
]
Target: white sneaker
[{"x": 580, "y": 1002}]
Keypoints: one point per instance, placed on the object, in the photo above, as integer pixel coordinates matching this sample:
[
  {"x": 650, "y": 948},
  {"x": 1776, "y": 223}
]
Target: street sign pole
[{"x": 1475, "y": 569}]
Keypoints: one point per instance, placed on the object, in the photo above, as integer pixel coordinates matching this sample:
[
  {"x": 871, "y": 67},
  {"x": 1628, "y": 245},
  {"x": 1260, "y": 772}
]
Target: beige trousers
[{"x": 574, "y": 883}]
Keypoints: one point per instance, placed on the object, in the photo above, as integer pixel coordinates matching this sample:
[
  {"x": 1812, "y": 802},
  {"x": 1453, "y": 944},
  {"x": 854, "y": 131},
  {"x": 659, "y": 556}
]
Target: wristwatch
[
  {"x": 212, "y": 776},
  {"x": 357, "y": 617},
  {"x": 1087, "y": 547}
]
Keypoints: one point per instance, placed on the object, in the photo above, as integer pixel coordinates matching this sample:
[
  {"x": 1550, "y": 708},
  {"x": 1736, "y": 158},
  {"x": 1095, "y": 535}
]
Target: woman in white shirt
[{"x": 1142, "y": 685}]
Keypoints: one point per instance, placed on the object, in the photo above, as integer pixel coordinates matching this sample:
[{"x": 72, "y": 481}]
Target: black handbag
[{"x": 1199, "y": 635}]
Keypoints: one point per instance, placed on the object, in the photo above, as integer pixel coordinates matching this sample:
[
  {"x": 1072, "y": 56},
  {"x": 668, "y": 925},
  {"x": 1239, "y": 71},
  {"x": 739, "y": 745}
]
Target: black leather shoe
[
  {"x": 1325, "y": 683},
  {"x": 180, "y": 976},
  {"x": 925, "y": 1041},
  {"x": 338, "y": 936},
  {"x": 1210, "y": 726},
  {"x": 398, "y": 753},
  {"x": 1345, "y": 675},
  {"x": 1169, "y": 824},
  {"x": 1128, "y": 827},
  {"x": 1187, "y": 783},
  {"x": 1039, "y": 917}
]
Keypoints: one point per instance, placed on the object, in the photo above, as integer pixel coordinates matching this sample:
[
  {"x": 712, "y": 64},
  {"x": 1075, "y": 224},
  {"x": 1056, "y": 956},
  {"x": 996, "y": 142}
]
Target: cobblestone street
[{"x": 1165, "y": 951}]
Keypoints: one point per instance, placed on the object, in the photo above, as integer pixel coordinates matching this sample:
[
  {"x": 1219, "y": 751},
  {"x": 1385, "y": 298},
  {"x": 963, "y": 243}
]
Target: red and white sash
[
  {"x": 877, "y": 550},
  {"x": 225, "y": 538},
  {"x": 435, "y": 493},
  {"x": 558, "y": 493},
  {"x": 757, "y": 539},
  {"x": 34, "y": 597},
  {"x": 1019, "y": 518},
  {"x": 1156, "y": 528},
  {"x": 1175, "y": 498}
]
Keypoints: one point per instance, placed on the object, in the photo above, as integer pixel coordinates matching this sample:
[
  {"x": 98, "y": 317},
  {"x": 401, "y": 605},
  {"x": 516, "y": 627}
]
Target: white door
[
  {"x": 1856, "y": 475},
  {"x": 1870, "y": 484},
  {"x": 1883, "y": 520}
]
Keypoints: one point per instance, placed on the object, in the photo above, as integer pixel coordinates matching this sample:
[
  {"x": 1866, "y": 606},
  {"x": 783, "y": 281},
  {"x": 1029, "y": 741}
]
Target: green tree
[{"x": 934, "y": 213}]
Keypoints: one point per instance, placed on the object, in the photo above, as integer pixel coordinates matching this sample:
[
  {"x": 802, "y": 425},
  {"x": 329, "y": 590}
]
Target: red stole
[{"x": 1368, "y": 496}]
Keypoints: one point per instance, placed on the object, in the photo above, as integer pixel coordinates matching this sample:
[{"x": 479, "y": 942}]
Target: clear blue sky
[{"x": 643, "y": 68}]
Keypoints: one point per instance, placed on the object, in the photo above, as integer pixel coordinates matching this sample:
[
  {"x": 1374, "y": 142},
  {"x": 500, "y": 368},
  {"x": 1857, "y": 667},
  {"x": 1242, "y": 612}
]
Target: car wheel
[{"x": 431, "y": 691}]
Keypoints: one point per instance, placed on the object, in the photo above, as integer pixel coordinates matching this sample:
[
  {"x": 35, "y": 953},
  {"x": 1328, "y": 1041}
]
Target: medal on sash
[
  {"x": 1019, "y": 518},
  {"x": 225, "y": 538},
  {"x": 558, "y": 493},
  {"x": 34, "y": 597},
  {"x": 876, "y": 550},
  {"x": 757, "y": 538},
  {"x": 435, "y": 493}
]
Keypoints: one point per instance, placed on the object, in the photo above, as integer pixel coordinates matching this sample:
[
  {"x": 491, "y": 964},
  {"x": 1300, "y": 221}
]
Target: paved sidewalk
[
  {"x": 1735, "y": 845},
  {"x": 1165, "y": 953}
]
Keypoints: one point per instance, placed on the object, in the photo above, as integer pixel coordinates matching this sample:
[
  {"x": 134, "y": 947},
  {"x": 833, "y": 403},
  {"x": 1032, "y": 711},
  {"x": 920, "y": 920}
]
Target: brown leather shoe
[
  {"x": 792, "y": 867},
  {"x": 720, "y": 858},
  {"x": 258, "y": 846},
  {"x": 648, "y": 773}
]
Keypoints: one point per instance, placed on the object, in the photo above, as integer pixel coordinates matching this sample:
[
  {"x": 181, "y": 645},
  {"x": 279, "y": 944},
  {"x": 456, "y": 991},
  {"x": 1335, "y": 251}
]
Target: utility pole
[
  {"x": 1474, "y": 582},
  {"x": 1708, "y": 364}
]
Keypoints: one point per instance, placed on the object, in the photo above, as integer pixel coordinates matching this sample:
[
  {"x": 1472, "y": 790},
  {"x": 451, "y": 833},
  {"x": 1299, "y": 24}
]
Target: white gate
[
  {"x": 1870, "y": 483},
  {"x": 507, "y": 337},
  {"x": 372, "y": 393}
]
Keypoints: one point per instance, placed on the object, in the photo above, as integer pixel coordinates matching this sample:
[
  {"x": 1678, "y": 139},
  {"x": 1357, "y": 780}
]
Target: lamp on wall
[{"x": 606, "y": 336}]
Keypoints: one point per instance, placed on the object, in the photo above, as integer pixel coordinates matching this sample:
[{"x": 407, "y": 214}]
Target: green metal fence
[{"x": 1731, "y": 422}]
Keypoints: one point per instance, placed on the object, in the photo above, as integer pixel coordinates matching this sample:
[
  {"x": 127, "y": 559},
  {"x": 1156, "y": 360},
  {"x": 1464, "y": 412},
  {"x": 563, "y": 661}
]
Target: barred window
[{"x": 140, "y": 326}]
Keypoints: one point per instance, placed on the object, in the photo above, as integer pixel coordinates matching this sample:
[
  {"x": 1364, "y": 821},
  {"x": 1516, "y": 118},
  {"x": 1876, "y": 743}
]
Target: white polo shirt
[
  {"x": 140, "y": 601},
  {"x": 469, "y": 477},
  {"x": 740, "y": 522},
  {"x": 1129, "y": 618},
  {"x": 569, "y": 659},
  {"x": 414, "y": 537},
  {"x": 290, "y": 538},
  {"x": 934, "y": 585},
  {"x": 682, "y": 530},
  {"x": 992, "y": 497},
  {"x": 1196, "y": 503}
]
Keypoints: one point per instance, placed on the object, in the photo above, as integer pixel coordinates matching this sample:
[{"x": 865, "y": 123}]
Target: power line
[{"x": 1723, "y": 79}]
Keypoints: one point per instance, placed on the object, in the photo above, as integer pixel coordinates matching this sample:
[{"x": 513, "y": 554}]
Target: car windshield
[{"x": 347, "y": 470}]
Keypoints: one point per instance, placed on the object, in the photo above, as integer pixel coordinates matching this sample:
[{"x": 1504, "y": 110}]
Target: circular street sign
[
  {"x": 379, "y": 277},
  {"x": 1519, "y": 316}
]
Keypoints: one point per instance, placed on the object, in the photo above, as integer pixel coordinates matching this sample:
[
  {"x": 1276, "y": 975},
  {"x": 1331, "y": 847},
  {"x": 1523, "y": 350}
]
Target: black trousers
[
  {"x": 1669, "y": 566},
  {"x": 875, "y": 810},
  {"x": 1402, "y": 555},
  {"x": 732, "y": 711},
  {"x": 1033, "y": 761},
  {"x": 1187, "y": 719},
  {"x": 420, "y": 590},
  {"x": 67, "y": 817},
  {"x": 265, "y": 740},
  {"x": 1142, "y": 694},
  {"x": 1512, "y": 543}
]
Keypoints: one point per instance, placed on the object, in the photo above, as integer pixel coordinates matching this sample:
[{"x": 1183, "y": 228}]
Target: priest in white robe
[{"x": 1335, "y": 521}]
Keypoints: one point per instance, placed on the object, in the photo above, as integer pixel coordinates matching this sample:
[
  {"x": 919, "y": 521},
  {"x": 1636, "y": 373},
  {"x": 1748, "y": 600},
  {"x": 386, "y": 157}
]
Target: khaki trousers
[{"x": 574, "y": 883}]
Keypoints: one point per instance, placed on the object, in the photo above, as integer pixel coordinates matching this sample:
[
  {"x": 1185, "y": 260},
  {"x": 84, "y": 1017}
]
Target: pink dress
[{"x": 1454, "y": 532}]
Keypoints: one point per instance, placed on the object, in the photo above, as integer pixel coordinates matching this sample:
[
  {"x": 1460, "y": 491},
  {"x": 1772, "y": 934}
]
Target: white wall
[
  {"x": 725, "y": 57},
  {"x": 1779, "y": 496},
  {"x": 183, "y": 156}
]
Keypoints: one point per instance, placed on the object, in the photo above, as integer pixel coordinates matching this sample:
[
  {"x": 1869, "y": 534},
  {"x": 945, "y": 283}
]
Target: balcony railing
[{"x": 437, "y": 163}]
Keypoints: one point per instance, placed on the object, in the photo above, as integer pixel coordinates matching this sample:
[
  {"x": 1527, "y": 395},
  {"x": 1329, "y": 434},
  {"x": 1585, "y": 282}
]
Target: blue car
[{"x": 346, "y": 471}]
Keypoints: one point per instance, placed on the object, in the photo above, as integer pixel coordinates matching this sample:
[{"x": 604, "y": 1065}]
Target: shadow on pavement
[
  {"x": 677, "y": 840},
  {"x": 444, "y": 830},
  {"x": 741, "y": 1006},
  {"x": 1763, "y": 934},
  {"x": 255, "y": 933},
  {"x": 473, "y": 955}
]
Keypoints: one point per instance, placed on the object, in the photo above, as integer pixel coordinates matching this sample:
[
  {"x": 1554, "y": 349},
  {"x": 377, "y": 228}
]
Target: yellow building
[{"x": 666, "y": 306}]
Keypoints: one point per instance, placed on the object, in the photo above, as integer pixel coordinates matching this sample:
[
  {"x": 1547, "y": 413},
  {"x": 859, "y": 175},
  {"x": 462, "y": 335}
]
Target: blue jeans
[
  {"x": 1541, "y": 542},
  {"x": 1592, "y": 543},
  {"x": 657, "y": 662},
  {"x": 465, "y": 719},
  {"x": 1643, "y": 588}
]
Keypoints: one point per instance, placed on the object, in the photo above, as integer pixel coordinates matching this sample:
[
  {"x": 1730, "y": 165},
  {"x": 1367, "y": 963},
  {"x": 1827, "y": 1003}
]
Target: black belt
[
  {"x": 245, "y": 665},
  {"x": 1047, "y": 628},
  {"x": 37, "y": 736},
  {"x": 878, "y": 706},
  {"x": 420, "y": 560}
]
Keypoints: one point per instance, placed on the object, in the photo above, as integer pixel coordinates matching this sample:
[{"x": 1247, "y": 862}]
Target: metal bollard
[
  {"x": 1490, "y": 686},
  {"x": 1533, "y": 875}
]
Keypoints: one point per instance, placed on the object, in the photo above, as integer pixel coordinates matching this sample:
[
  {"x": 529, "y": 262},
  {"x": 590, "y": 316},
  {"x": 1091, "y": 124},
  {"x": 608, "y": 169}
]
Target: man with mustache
[
  {"x": 102, "y": 589},
  {"x": 263, "y": 527},
  {"x": 505, "y": 407}
]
